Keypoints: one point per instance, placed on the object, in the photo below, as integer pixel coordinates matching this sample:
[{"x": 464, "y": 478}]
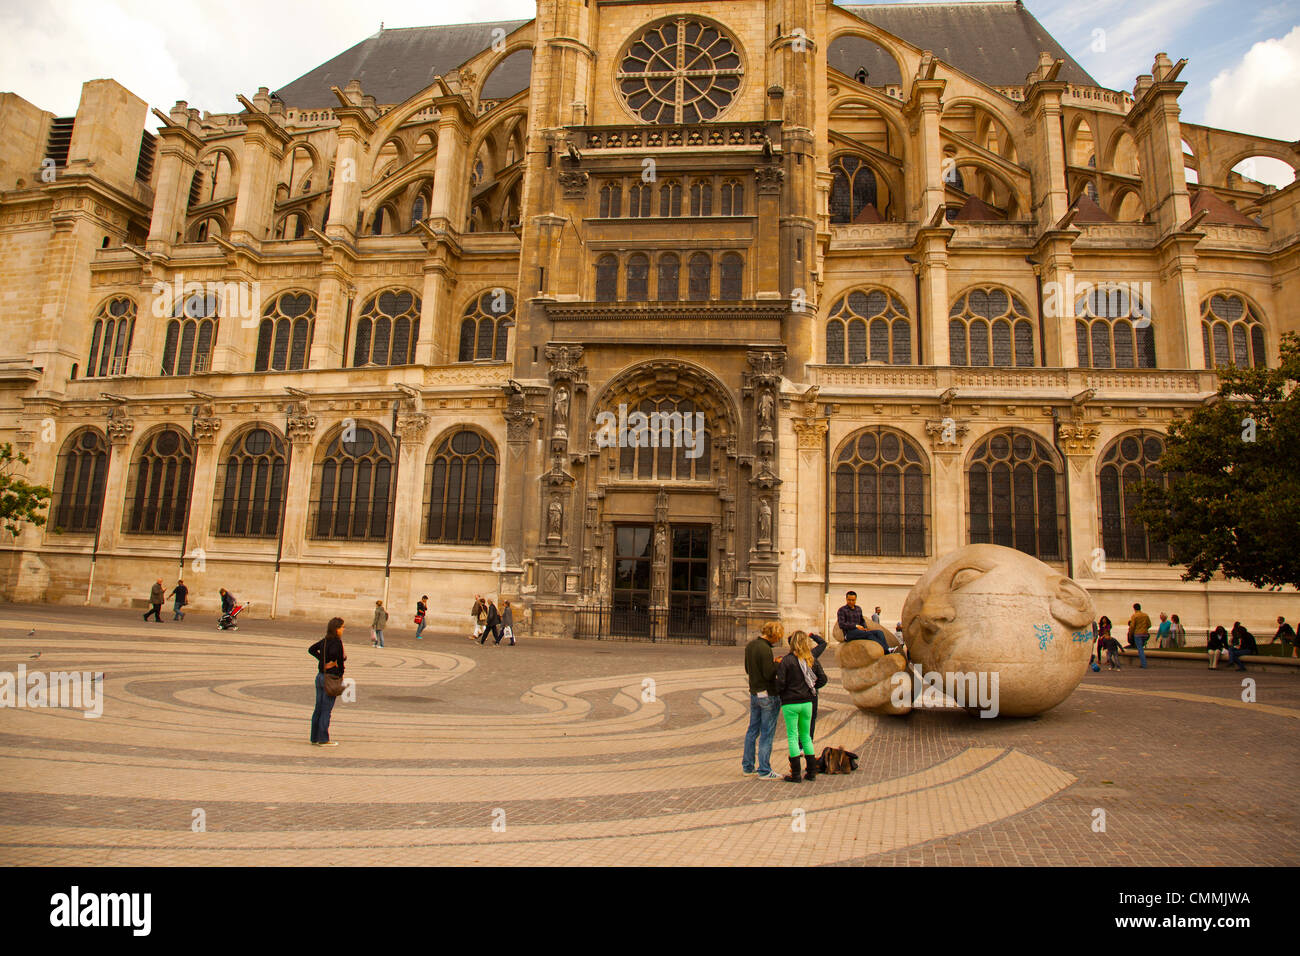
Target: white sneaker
[{"x": 770, "y": 776}]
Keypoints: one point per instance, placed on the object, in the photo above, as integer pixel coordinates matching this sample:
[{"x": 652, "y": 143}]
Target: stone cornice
[{"x": 689, "y": 311}]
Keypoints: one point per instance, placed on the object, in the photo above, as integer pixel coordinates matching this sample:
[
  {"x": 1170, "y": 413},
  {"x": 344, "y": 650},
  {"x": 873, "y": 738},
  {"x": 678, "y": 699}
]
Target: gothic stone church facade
[{"x": 910, "y": 275}]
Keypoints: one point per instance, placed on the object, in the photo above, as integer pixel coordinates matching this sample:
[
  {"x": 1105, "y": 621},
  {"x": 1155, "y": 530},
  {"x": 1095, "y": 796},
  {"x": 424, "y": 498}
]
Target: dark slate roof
[
  {"x": 996, "y": 43},
  {"x": 393, "y": 65}
]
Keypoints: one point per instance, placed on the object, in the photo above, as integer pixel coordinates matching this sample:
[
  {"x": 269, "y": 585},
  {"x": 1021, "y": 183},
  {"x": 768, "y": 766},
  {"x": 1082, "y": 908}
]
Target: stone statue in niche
[
  {"x": 561, "y": 409},
  {"x": 764, "y": 520},
  {"x": 766, "y": 412},
  {"x": 554, "y": 518},
  {"x": 984, "y": 622},
  {"x": 661, "y": 543}
]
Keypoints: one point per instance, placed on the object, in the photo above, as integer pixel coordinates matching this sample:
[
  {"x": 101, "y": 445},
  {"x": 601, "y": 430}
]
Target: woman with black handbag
[{"x": 329, "y": 655}]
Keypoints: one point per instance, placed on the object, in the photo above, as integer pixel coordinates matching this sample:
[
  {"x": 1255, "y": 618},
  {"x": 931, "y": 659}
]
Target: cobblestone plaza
[{"x": 554, "y": 753}]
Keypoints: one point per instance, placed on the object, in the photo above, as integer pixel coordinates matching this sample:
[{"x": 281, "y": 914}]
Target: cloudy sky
[{"x": 1243, "y": 74}]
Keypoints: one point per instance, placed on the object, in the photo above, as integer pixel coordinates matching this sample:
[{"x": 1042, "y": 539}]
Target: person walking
[
  {"x": 180, "y": 597},
  {"x": 421, "y": 609},
  {"x": 479, "y": 615},
  {"x": 875, "y": 615},
  {"x": 377, "y": 624},
  {"x": 492, "y": 624},
  {"x": 157, "y": 594},
  {"x": 1139, "y": 628},
  {"x": 797, "y": 678},
  {"x": 1180, "y": 632},
  {"x": 1286, "y": 634},
  {"x": 764, "y": 703},
  {"x": 1164, "y": 633},
  {"x": 508, "y": 622},
  {"x": 329, "y": 655}
]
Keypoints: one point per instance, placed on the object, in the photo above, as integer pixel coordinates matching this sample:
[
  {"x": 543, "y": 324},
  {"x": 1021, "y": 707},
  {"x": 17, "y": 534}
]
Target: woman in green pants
[{"x": 797, "y": 678}]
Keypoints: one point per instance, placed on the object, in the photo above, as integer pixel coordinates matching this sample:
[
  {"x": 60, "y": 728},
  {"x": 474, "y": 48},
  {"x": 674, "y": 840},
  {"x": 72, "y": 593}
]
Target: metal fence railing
[{"x": 675, "y": 625}]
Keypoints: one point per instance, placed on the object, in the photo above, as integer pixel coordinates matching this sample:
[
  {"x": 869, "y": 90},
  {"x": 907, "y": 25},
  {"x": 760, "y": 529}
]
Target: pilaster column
[
  {"x": 302, "y": 436},
  {"x": 206, "y": 428},
  {"x": 329, "y": 343},
  {"x": 932, "y": 253},
  {"x": 409, "y": 500},
  {"x": 947, "y": 435},
  {"x": 1079, "y": 439},
  {"x": 120, "y": 428}
]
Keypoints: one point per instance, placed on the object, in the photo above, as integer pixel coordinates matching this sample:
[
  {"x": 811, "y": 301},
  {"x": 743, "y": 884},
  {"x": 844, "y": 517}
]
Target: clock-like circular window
[{"x": 679, "y": 70}]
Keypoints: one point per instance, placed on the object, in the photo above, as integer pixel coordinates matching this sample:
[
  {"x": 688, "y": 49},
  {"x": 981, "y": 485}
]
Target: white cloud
[
  {"x": 1248, "y": 98},
  {"x": 197, "y": 50}
]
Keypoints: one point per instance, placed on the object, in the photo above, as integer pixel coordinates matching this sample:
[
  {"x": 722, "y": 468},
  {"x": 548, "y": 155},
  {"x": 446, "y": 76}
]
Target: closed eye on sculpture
[{"x": 965, "y": 576}]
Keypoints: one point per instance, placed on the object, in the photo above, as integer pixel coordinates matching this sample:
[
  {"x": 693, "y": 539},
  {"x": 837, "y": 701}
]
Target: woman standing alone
[
  {"x": 329, "y": 655},
  {"x": 797, "y": 678}
]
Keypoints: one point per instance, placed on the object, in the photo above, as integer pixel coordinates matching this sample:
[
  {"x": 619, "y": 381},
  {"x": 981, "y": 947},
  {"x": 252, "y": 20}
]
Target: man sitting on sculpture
[{"x": 854, "y": 625}]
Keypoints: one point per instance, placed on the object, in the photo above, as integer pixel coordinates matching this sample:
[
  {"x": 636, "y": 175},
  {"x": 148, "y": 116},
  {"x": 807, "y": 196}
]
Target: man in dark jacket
[
  {"x": 764, "y": 704},
  {"x": 854, "y": 625},
  {"x": 181, "y": 594},
  {"x": 493, "y": 626},
  {"x": 157, "y": 594}
]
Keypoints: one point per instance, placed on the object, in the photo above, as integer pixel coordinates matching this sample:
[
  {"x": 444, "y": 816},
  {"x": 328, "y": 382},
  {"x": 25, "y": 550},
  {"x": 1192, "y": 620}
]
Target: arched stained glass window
[
  {"x": 460, "y": 490},
  {"x": 1114, "y": 329},
  {"x": 679, "y": 70},
  {"x": 990, "y": 327},
  {"x": 1016, "y": 497},
  {"x": 159, "y": 484},
  {"x": 388, "y": 329},
  {"x": 853, "y": 188},
  {"x": 1131, "y": 458},
  {"x": 110, "y": 338},
  {"x": 873, "y": 320},
  {"x": 354, "y": 485},
  {"x": 882, "y": 495},
  {"x": 485, "y": 326},
  {"x": 1231, "y": 332},
  {"x": 250, "y": 485},
  {"x": 82, "y": 472},
  {"x": 285, "y": 334}
]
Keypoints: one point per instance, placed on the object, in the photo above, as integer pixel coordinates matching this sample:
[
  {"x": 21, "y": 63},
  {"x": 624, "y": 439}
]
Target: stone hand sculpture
[{"x": 981, "y": 610}]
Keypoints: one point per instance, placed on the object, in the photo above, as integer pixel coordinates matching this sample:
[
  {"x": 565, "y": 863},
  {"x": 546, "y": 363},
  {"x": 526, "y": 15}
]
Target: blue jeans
[
  {"x": 763, "y": 712},
  {"x": 1141, "y": 641},
  {"x": 379, "y": 637},
  {"x": 862, "y": 634},
  {"x": 320, "y": 717},
  {"x": 419, "y": 629}
]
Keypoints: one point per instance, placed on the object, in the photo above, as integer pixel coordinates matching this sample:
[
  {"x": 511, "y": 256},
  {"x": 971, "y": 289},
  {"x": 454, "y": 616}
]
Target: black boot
[
  {"x": 810, "y": 767},
  {"x": 793, "y": 776}
]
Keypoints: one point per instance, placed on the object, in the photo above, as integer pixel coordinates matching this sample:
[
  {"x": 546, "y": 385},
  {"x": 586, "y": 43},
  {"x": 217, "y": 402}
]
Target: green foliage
[
  {"x": 1233, "y": 505},
  {"x": 20, "y": 502}
]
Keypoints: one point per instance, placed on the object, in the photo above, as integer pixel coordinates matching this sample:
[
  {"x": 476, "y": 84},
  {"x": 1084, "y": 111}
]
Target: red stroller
[{"x": 227, "y": 621}]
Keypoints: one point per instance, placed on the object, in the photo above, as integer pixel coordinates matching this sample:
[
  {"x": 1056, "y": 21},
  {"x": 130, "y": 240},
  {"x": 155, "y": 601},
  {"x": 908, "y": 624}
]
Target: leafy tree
[
  {"x": 1233, "y": 502},
  {"x": 20, "y": 502}
]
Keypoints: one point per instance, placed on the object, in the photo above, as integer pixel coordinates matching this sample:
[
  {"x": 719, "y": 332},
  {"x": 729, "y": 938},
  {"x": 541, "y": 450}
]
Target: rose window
[{"x": 679, "y": 71}]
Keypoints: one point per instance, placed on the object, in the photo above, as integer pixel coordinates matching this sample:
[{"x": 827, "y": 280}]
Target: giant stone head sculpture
[{"x": 985, "y": 609}]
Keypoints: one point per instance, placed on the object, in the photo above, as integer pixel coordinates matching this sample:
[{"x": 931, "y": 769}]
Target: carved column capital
[{"x": 810, "y": 432}]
